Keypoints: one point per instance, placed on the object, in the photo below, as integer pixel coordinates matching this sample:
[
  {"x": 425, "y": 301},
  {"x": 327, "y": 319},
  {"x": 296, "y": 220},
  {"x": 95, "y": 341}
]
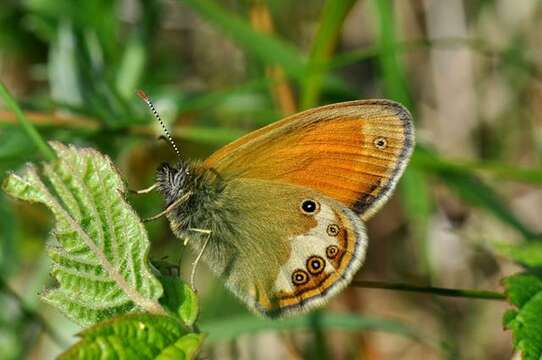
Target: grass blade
[
  {"x": 394, "y": 78},
  {"x": 433, "y": 163},
  {"x": 417, "y": 205},
  {"x": 470, "y": 188},
  {"x": 29, "y": 129},
  {"x": 331, "y": 23},
  {"x": 414, "y": 184},
  {"x": 267, "y": 48}
]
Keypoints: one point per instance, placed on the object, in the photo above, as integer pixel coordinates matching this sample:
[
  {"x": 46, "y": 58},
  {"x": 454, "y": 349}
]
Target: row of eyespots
[
  {"x": 315, "y": 265},
  {"x": 300, "y": 276}
]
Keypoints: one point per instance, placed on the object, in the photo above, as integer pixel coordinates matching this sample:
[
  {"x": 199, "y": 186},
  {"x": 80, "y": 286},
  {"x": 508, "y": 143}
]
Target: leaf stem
[
  {"x": 463, "y": 293},
  {"x": 30, "y": 130}
]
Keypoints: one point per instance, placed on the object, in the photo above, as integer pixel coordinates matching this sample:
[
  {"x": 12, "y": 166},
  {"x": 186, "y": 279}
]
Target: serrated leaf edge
[{"x": 148, "y": 305}]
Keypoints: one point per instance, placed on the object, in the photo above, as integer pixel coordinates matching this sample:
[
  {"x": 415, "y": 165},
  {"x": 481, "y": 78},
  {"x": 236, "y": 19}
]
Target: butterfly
[{"x": 279, "y": 213}]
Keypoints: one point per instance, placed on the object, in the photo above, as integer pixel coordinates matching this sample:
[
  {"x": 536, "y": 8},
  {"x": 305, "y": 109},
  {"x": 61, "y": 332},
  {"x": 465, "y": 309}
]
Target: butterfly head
[
  {"x": 174, "y": 181},
  {"x": 192, "y": 193}
]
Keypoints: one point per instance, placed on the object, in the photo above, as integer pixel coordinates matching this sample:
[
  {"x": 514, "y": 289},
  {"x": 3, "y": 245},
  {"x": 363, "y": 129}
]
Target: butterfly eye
[
  {"x": 309, "y": 206},
  {"x": 332, "y": 251},
  {"x": 300, "y": 277},
  {"x": 380, "y": 143},
  {"x": 315, "y": 265},
  {"x": 333, "y": 229}
]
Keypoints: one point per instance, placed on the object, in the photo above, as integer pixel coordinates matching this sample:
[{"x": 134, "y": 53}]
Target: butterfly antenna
[{"x": 149, "y": 103}]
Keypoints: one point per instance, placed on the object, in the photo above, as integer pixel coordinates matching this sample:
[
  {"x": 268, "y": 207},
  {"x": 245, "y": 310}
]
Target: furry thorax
[{"x": 204, "y": 209}]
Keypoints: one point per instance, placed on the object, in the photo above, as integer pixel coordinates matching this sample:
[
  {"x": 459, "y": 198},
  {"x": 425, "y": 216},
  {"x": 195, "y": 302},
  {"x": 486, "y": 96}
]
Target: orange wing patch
[{"x": 353, "y": 152}]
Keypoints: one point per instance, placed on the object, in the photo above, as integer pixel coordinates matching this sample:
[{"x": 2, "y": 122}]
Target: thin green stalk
[
  {"x": 331, "y": 22},
  {"x": 430, "y": 162},
  {"x": 394, "y": 77},
  {"x": 30, "y": 130},
  {"x": 416, "y": 198},
  {"x": 417, "y": 202},
  {"x": 268, "y": 48},
  {"x": 462, "y": 293}
]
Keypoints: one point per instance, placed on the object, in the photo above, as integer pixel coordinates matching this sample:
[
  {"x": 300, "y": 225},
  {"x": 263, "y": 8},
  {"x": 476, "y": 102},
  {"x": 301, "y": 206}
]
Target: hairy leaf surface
[
  {"x": 525, "y": 292},
  {"x": 180, "y": 299},
  {"x": 137, "y": 336},
  {"x": 99, "y": 247}
]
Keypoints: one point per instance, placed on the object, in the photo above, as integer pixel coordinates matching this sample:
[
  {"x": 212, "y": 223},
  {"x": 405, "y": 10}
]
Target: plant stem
[
  {"x": 26, "y": 125},
  {"x": 262, "y": 21},
  {"x": 463, "y": 293}
]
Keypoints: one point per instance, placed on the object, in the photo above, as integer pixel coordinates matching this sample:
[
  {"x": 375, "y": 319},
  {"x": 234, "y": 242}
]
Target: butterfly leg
[
  {"x": 173, "y": 205},
  {"x": 202, "y": 231},
  {"x": 196, "y": 261},
  {"x": 144, "y": 191}
]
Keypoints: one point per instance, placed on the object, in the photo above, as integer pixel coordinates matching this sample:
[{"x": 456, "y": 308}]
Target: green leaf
[
  {"x": 529, "y": 254},
  {"x": 187, "y": 347},
  {"x": 99, "y": 247},
  {"x": 136, "y": 336},
  {"x": 232, "y": 328},
  {"x": 525, "y": 292},
  {"x": 522, "y": 287},
  {"x": 180, "y": 299}
]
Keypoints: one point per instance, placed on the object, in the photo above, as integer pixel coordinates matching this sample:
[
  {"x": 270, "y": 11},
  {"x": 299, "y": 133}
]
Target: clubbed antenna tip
[
  {"x": 149, "y": 103},
  {"x": 142, "y": 95}
]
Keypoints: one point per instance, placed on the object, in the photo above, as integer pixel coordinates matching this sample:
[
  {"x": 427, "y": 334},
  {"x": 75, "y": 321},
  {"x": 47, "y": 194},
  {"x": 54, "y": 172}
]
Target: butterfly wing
[
  {"x": 353, "y": 152},
  {"x": 288, "y": 249}
]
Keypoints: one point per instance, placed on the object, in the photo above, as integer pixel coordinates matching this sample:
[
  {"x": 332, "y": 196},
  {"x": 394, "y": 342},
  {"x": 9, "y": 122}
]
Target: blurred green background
[{"x": 469, "y": 71}]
